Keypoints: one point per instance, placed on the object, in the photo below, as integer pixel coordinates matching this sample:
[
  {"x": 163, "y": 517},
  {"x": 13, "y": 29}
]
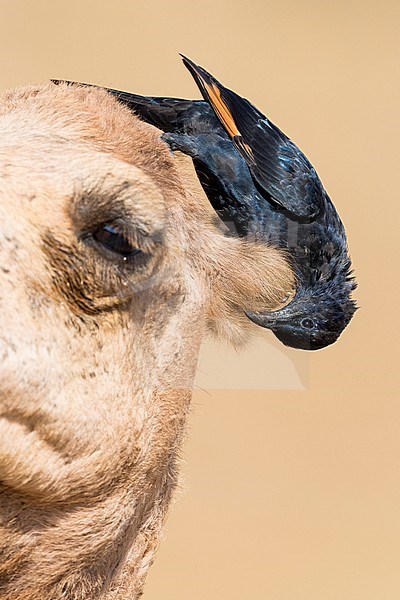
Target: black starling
[{"x": 257, "y": 178}]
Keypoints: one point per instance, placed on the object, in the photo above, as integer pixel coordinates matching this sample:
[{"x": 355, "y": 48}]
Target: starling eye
[
  {"x": 307, "y": 323},
  {"x": 112, "y": 239}
]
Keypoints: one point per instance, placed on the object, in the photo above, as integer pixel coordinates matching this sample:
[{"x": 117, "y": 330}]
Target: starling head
[{"x": 315, "y": 317}]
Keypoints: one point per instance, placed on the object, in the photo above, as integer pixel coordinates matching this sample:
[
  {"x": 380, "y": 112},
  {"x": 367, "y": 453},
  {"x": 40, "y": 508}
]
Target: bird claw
[{"x": 180, "y": 142}]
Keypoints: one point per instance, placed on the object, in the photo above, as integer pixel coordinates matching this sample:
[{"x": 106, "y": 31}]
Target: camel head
[{"x": 113, "y": 266}]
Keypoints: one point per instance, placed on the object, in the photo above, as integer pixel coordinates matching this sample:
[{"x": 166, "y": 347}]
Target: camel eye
[
  {"x": 111, "y": 238},
  {"x": 307, "y": 323}
]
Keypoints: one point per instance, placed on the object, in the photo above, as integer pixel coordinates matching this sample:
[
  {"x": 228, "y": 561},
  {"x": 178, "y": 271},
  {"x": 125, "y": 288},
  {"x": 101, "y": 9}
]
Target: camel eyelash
[{"x": 116, "y": 241}]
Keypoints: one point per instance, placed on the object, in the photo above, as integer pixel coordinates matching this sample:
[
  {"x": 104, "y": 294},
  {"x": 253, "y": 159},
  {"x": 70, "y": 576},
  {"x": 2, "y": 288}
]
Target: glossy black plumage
[
  {"x": 259, "y": 181},
  {"x": 276, "y": 163}
]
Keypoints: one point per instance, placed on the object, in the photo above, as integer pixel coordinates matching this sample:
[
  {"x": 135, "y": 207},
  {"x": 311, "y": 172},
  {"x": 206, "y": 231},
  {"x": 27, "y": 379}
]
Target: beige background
[{"x": 291, "y": 492}]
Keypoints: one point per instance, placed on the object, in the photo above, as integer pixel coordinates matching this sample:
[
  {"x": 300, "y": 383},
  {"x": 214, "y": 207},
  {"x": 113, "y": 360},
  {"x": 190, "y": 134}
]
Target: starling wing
[{"x": 276, "y": 163}]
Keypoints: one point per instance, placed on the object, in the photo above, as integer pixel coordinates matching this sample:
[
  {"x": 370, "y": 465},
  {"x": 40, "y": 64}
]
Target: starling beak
[
  {"x": 257, "y": 179},
  {"x": 311, "y": 323}
]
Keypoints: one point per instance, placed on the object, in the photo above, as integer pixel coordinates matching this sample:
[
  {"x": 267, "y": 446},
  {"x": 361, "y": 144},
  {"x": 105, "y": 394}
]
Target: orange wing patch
[{"x": 221, "y": 109}]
